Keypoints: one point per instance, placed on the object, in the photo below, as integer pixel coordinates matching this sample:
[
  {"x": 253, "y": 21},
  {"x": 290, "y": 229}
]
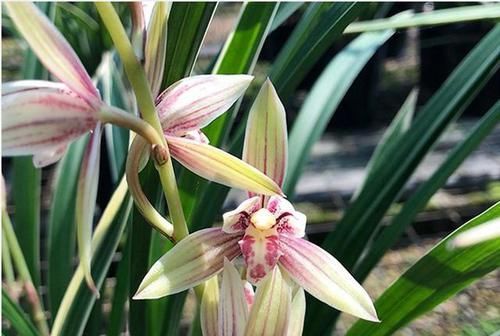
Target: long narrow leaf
[
  {"x": 319, "y": 27},
  {"x": 324, "y": 98},
  {"x": 437, "y": 17},
  {"x": 439, "y": 274},
  {"x": 13, "y": 313},
  {"x": 417, "y": 202},
  {"x": 361, "y": 219},
  {"x": 285, "y": 10}
]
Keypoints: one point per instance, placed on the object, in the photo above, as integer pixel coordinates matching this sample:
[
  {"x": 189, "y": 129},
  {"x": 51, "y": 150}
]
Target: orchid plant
[
  {"x": 252, "y": 269},
  {"x": 268, "y": 232}
]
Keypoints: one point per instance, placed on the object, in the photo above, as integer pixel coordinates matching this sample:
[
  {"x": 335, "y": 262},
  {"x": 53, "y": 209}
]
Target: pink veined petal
[
  {"x": 49, "y": 156},
  {"x": 266, "y": 144},
  {"x": 39, "y": 119},
  {"x": 270, "y": 313},
  {"x": 324, "y": 277},
  {"x": 52, "y": 49},
  {"x": 233, "y": 310},
  {"x": 197, "y": 136},
  {"x": 261, "y": 251},
  {"x": 209, "y": 309},
  {"x": 216, "y": 165},
  {"x": 288, "y": 220},
  {"x": 193, "y": 102},
  {"x": 238, "y": 219},
  {"x": 194, "y": 259}
]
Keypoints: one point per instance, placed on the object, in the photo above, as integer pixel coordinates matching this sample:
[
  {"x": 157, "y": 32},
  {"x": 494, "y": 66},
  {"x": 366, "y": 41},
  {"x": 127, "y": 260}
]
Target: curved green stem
[
  {"x": 24, "y": 273},
  {"x": 141, "y": 87}
]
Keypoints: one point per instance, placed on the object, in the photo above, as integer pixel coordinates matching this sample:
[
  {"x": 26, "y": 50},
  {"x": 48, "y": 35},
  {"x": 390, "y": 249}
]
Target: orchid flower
[
  {"x": 41, "y": 118},
  {"x": 266, "y": 232}
]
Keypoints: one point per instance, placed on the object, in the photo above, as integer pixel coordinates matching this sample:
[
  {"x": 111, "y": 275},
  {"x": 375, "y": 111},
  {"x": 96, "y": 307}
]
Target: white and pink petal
[
  {"x": 193, "y": 102},
  {"x": 193, "y": 260},
  {"x": 52, "y": 49},
  {"x": 324, "y": 277},
  {"x": 238, "y": 219},
  {"x": 42, "y": 119},
  {"x": 261, "y": 251},
  {"x": 288, "y": 219}
]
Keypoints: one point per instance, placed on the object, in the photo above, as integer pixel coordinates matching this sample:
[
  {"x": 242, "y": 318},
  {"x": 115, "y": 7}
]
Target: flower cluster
[{"x": 41, "y": 118}]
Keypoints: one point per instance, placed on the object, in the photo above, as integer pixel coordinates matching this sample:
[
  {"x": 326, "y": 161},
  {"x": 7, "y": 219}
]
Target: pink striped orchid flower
[{"x": 267, "y": 232}]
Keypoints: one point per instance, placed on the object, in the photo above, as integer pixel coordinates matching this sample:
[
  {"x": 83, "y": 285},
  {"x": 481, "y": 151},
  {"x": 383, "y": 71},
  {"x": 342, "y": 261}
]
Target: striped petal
[
  {"x": 233, "y": 310},
  {"x": 270, "y": 313},
  {"x": 324, "y": 277},
  {"x": 288, "y": 220},
  {"x": 249, "y": 293},
  {"x": 239, "y": 219},
  {"x": 218, "y": 166},
  {"x": 265, "y": 145},
  {"x": 49, "y": 156},
  {"x": 209, "y": 308},
  {"x": 52, "y": 49},
  {"x": 298, "y": 313},
  {"x": 261, "y": 251},
  {"x": 155, "y": 50},
  {"x": 42, "y": 120},
  {"x": 86, "y": 201},
  {"x": 193, "y": 260},
  {"x": 193, "y": 102}
]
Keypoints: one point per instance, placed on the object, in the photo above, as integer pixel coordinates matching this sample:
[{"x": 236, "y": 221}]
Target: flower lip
[{"x": 263, "y": 219}]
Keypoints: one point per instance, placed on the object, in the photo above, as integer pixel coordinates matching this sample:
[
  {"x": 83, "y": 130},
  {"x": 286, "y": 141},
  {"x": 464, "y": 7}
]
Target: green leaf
[
  {"x": 355, "y": 229},
  {"x": 320, "y": 26},
  {"x": 324, "y": 98},
  {"x": 438, "y": 275},
  {"x": 187, "y": 25},
  {"x": 15, "y": 315},
  {"x": 117, "y": 316},
  {"x": 437, "y": 17},
  {"x": 285, "y": 10},
  {"x": 72, "y": 318},
  {"x": 61, "y": 224},
  {"x": 396, "y": 130},
  {"x": 390, "y": 234}
]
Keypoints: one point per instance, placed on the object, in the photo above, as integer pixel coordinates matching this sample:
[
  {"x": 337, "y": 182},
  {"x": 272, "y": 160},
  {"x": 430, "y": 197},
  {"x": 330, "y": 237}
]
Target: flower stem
[
  {"x": 138, "y": 80},
  {"x": 24, "y": 273}
]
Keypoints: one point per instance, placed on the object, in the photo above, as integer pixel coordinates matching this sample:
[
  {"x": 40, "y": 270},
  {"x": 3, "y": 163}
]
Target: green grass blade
[
  {"x": 396, "y": 130},
  {"x": 437, "y": 17},
  {"x": 61, "y": 224},
  {"x": 285, "y": 10},
  {"x": 72, "y": 318},
  {"x": 187, "y": 25},
  {"x": 26, "y": 193},
  {"x": 15, "y": 315},
  {"x": 438, "y": 275},
  {"x": 117, "y": 315},
  {"x": 422, "y": 195},
  {"x": 324, "y": 98},
  {"x": 320, "y": 26},
  {"x": 361, "y": 219}
]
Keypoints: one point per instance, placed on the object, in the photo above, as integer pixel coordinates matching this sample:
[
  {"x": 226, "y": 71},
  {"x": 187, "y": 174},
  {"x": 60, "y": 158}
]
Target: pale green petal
[
  {"x": 298, "y": 313},
  {"x": 270, "y": 313},
  {"x": 216, "y": 165},
  {"x": 52, "y": 49},
  {"x": 194, "y": 259},
  {"x": 266, "y": 140},
  {"x": 209, "y": 309}
]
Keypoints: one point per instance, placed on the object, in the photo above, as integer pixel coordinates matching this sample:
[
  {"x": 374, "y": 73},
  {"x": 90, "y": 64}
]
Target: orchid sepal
[
  {"x": 216, "y": 165},
  {"x": 265, "y": 145},
  {"x": 209, "y": 308},
  {"x": 193, "y": 260},
  {"x": 324, "y": 277},
  {"x": 53, "y": 50}
]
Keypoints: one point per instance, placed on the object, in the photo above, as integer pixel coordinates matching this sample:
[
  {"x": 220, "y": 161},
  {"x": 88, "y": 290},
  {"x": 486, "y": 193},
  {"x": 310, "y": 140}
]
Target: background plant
[{"x": 358, "y": 241}]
